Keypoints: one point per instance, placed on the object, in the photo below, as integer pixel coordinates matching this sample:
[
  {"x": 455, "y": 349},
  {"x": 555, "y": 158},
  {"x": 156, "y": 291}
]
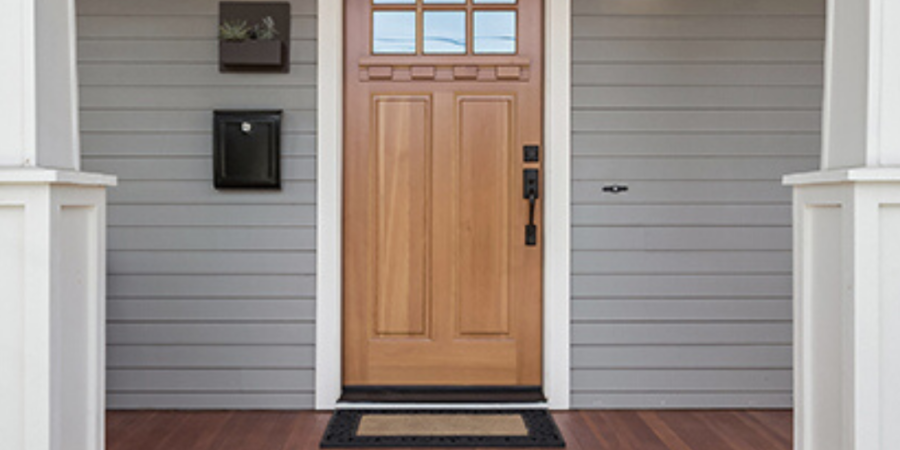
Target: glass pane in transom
[
  {"x": 445, "y": 32},
  {"x": 495, "y": 32},
  {"x": 394, "y": 32}
]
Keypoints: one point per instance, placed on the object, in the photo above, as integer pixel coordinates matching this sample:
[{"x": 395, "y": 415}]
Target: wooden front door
[{"x": 441, "y": 284}]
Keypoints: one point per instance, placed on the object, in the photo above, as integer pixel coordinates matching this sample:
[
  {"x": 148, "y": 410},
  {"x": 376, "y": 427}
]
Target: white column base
[
  {"x": 52, "y": 309},
  {"x": 847, "y": 309}
]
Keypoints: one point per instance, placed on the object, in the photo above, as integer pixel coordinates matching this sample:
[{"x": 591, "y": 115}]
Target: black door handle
[{"x": 531, "y": 193}]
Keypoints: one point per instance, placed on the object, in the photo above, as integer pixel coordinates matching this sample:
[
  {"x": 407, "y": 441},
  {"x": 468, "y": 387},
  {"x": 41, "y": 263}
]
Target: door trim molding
[
  {"x": 557, "y": 214},
  {"x": 329, "y": 201}
]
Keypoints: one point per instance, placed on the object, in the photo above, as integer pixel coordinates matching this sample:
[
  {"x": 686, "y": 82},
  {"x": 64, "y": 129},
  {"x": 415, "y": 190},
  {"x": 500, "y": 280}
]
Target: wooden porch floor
[{"x": 584, "y": 430}]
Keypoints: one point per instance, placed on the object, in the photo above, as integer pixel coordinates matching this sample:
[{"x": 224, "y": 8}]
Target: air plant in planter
[
  {"x": 243, "y": 45},
  {"x": 265, "y": 31}
]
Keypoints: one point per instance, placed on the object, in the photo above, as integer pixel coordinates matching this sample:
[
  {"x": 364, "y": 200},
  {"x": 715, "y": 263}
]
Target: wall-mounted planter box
[
  {"x": 251, "y": 53},
  {"x": 255, "y": 55}
]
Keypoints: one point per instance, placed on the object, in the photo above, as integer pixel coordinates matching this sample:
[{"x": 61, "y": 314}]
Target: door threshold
[
  {"x": 452, "y": 406},
  {"x": 443, "y": 394}
]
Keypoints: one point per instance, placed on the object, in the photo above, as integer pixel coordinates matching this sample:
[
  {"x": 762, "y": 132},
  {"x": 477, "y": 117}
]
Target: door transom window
[{"x": 444, "y": 27}]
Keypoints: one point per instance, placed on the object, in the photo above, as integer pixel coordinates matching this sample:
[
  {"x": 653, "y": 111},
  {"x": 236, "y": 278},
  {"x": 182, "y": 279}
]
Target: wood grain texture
[
  {"x": 485, "y": 122},
  {"x": 596, "y": 430},
  {"x": 403, "y": 154},
  {"x": 439, "y": 286}
]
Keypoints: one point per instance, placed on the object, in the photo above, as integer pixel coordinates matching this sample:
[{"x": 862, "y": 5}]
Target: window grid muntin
[{"x": 419, "y": 6}]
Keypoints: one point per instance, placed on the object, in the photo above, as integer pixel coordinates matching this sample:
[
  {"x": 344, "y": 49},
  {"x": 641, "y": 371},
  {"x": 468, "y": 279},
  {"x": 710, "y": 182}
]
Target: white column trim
[
  {"x": 18, "y": 85},
  {"x": 29, "y": 84},
  {"x": 827, "y": 84},
  {"x": 53, "y": 356},
  {"x": 34, "y": 175},
  {"x": 557, "y": 220},
  {"x": 846, "y": 252},
  {"x": 845, "y": 341},
  {"x": 74, "y": 86},
  {"x": 886, "y": 40},
  {"x": 861, "y": 103},
  {"x": 54, "y": 369}
]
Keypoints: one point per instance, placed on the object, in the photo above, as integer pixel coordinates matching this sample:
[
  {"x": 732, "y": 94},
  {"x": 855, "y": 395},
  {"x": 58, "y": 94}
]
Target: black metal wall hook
[{"x": 615, "y": 189}]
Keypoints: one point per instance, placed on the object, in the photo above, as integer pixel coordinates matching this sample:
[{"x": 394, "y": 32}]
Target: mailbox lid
[{"x": 247, "y": 149}]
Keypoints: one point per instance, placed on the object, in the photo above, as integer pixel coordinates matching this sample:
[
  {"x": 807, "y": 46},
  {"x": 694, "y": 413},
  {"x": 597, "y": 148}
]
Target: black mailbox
[{"x": 247, "y": 149}]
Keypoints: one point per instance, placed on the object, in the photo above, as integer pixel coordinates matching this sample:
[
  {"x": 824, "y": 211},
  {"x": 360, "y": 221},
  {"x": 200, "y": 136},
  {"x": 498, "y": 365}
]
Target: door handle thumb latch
[{"x": 531, "y": 193}]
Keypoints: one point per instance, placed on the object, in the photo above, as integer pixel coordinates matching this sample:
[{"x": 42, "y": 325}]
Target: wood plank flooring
[{"x": 584, "y": 430}]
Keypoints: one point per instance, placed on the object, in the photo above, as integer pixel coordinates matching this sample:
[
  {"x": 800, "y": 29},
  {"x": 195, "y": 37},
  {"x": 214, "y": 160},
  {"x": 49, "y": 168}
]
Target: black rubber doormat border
[{"x": 343, "y": 426}]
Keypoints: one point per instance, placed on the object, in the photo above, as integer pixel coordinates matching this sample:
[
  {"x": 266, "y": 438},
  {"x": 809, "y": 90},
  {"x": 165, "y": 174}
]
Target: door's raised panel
[
  {"x": 402, "y": 150},
  {"x": 485, "y": 145}
]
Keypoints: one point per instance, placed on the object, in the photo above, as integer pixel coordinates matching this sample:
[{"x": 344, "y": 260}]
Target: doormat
[{"x": 442, "y": 428}]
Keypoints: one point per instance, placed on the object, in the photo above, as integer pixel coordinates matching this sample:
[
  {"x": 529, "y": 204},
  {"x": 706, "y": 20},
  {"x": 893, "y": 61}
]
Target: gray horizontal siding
[
  {"x": 104, "y": 144},
  {"x": 679, "y": 310},
  {"x": 124, "y": 262},
  {"x": 681, "y": 51},
  {"x": 721, "y": 9},
  {"x": 708, "y": 74},
  {"x": 643, "y": 238},
  {"x": 213, "y": 215},
  {"x": 692, "y": 380},
  {"x": 682, "y": 286},
  {"x": 205, "y": 357},
  {"x": 171, "y": 51},
  {"x": 224, "y": 400},
  {"x": 200, "y": 381},
  {"x": 296, "y": 122},
  {"x": 163, "y": 168},
  {"x": 211, "y": 239},
  {"x": 282, "y": 333},
  {"x": 216, "y": 286},
  {"x": 303, "y": 27},
  {"x": 706, "y": 167},
  {"x": 211, "y": 293},
  {"x": 697, "y": 143},
  {"x": 142, "y": 8},
  {"x": 682, "y": 400},
  {"x": 200, "y": 310},
  {"x": 672, "y": 359}
]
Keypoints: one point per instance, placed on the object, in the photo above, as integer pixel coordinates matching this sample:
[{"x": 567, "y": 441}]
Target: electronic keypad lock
[{"x": 531, "y": 192}]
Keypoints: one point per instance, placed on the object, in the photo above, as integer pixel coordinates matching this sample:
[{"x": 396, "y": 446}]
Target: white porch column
[
  {"x": 847, "y": 242},
  {"x": 52, "y": 241}
]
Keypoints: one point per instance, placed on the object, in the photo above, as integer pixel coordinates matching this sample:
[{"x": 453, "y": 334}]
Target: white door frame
[{"x": 557, "y": 187}]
